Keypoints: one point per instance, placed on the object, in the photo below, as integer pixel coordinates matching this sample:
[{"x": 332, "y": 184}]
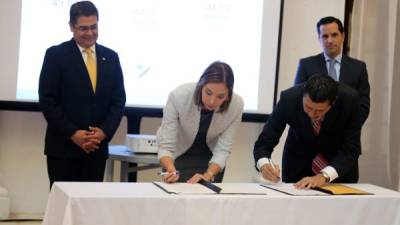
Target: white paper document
[
  {"x": 227, "y": 188},
  {"x": 288, "y": 188},
  {"x": 241, "y": 188}
]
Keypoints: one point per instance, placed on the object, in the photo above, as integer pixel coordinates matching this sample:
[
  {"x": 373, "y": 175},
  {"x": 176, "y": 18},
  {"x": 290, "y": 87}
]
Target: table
[
  {"x": 121, "y": 153},
  {"x": 146, "y": 204}
]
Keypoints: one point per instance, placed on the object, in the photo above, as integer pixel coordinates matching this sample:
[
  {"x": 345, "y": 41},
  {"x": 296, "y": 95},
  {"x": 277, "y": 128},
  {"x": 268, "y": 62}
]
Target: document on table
[
  {"x": 241, "y": 188},
  {"x": 226, "y": 188},
  {"x": 184, "y": 188},
  {"x": 288, "y": 188}
]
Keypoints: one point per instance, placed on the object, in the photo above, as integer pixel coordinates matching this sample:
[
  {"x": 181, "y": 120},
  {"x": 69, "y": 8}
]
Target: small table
[{"x": 126, "y": 157}]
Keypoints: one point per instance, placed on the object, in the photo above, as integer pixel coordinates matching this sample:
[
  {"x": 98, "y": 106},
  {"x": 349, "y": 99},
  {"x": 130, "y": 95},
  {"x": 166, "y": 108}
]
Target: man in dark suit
[
  {"x": 345, "y": 69},
  {"x": 324, "y": 128},
  {"x": 82, "y": 96}
]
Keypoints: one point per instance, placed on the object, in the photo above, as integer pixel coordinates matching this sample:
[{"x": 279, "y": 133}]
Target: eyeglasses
[{"x": 87, "y": 28}]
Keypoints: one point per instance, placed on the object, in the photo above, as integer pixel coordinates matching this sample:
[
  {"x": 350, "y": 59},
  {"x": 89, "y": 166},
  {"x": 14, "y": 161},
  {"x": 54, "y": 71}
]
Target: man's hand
[
  {"x": 97, "y": 133},
  {"x": 91, "y": 145},
  {"x": 88, "y": 141},
  {"x": 270, "y": 172},
  {"x": 311, "y": 182},
  {"x": 82, "y": 139}
]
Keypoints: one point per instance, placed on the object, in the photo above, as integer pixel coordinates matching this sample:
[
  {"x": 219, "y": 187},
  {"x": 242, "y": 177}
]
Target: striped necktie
[
  {"x": 91, "y": 67},
  {"x": 318, "y": 163},
  {"x": 316, "y": 126}
]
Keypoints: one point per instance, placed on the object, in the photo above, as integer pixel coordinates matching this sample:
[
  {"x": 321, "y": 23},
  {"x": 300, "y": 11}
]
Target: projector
[{"x": 141, "y": 143}]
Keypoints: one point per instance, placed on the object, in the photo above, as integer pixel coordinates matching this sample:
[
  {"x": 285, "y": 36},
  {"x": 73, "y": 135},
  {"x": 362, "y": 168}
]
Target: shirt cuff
[
  {"x": 331, "y": 173},
  {"x": 261, "y": 162}
]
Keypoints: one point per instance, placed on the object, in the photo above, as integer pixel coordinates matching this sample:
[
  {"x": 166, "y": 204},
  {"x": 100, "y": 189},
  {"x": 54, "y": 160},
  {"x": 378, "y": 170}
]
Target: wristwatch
[{"x": 326, "y": 176}]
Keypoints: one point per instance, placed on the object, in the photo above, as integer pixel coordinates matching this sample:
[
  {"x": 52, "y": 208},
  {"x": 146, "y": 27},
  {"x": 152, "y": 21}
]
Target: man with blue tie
[
  {"x": 332, "y": 61},
  {"x": 82, "y": 96}
]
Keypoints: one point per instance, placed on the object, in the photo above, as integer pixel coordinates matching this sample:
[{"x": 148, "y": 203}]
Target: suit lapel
[
  {"x": 322, "y": 63},
  {"x": 101, "y": 62},
  {"x": 344, "y": 65},
  {"x": 77, "y": 59},
  {"x": 304, "y": 121},
  {"x": 331, "y": 117}
]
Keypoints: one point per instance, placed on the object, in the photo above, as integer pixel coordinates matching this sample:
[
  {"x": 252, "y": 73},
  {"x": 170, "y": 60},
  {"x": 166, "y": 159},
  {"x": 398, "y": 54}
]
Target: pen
[
  {"x": 273, "y": 166},
  {"x": 166, "y": 173},
  {"x": 272, "y": 163}
]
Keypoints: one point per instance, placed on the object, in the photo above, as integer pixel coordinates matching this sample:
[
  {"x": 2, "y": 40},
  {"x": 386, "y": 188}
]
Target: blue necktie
[{"x": 332, "y": 71}]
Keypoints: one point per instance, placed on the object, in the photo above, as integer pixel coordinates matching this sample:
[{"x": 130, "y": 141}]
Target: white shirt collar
[
  {"x": 81, "y": 49},
  {"x": 338, "y": 58}
]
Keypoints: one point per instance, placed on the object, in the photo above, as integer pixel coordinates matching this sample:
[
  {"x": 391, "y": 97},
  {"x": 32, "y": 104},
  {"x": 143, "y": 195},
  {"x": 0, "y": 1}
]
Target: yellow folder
[{"x": 340, "y": 189}]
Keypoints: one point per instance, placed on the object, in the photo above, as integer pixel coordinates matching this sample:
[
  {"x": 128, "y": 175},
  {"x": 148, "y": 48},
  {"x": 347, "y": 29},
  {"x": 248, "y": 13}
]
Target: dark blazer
[
  {"x": 69, "y": 103},
  {"x": 338, "y": 141},
  {"x": 353, "y": 72}
]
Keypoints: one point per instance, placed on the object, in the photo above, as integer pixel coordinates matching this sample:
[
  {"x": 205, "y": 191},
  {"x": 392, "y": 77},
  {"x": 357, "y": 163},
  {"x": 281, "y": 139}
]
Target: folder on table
[
  {"x": 211, "y": 186},
  {"x": 340, "y": 189},
  {"x": 183, "y": 188}
]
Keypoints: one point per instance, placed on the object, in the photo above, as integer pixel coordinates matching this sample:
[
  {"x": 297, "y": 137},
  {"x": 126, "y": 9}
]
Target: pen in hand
[
  {"x": 273, "y": 167},
  {"x": 166, "y": 173}
]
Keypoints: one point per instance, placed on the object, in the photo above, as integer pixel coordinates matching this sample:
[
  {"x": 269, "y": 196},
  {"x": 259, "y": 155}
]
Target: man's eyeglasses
[{"x": 86, "y": 28}]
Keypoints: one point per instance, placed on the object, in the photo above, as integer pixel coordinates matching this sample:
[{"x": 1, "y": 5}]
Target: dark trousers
[{"x": 90, "y": 169}]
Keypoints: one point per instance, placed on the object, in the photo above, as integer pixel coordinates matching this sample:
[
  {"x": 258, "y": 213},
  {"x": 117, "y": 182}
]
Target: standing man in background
[
  {"x": 82, "y": 96},
  {"x": 340, "y": 67}
]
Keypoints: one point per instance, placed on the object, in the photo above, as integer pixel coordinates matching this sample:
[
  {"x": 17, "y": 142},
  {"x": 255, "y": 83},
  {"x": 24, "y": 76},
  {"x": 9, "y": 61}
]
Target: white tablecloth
[{"x": 146, "y": 204}]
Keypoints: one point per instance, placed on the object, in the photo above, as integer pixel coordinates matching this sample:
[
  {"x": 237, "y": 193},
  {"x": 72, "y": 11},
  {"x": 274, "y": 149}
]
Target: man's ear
[{"x": 71, "y": 27}]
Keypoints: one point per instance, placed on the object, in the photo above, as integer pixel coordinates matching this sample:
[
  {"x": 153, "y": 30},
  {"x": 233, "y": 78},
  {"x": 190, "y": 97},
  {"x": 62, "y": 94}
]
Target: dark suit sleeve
[
  {"x": 350, "y": 149},
  {"x": 49, "y": 94},
  {"x": 301, "y": 75},
  {"x": 117, "y": 104},
  {"x": 364, "y": 91},
  {"x": 271, "y": 132}
]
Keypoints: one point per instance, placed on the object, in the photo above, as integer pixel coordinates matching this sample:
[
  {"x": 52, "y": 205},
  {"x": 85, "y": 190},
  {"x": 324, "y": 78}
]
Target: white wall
[
  {"x": 23, "y": 170},
  {"x": 22, "y": 163},
  {"x": 395, "y": 129}
]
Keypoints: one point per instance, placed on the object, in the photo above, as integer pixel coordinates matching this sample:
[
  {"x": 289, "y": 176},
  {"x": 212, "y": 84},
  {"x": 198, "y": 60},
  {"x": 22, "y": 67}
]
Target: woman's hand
[
  {"x": 171, "y": 177},
  {"x": 197, "y": 177},
  {"x": 168, "y": 164}
]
